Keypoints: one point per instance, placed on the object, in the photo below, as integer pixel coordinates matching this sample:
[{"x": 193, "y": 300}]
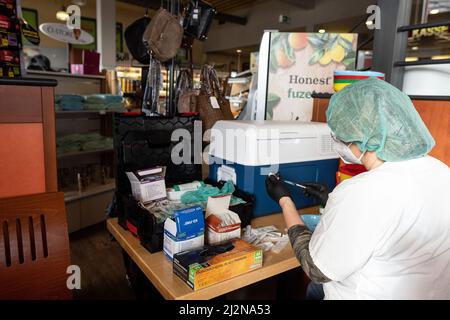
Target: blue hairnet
[{"x": 378, "y": 117}]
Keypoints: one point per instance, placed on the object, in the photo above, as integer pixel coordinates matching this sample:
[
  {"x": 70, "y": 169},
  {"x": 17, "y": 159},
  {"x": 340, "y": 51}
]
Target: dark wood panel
[
  {"x": 20, "y": 104},
  {"x": 39, "y": 222},
  {"x": 48, "y": 122},
  {"x": 230, "y": 5},
  {"x": 220, "y": 5}
]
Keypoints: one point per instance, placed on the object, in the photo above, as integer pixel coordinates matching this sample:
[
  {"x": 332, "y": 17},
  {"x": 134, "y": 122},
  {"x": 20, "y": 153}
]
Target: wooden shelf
[
  {"x": 90, "y": 191},
  {"x": 82, "y": 113},
  {"x": 83, "y": 153},
  {"x": 64, "y": 74}
]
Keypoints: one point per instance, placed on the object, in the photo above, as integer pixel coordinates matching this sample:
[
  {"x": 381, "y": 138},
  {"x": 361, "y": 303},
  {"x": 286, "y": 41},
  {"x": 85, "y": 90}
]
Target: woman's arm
[{"x": 300, "y": 238}]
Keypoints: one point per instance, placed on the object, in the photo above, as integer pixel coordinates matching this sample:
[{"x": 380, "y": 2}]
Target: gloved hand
[
  {"x": 276, "y": 188},
  {"x": 318, "y": 191}
]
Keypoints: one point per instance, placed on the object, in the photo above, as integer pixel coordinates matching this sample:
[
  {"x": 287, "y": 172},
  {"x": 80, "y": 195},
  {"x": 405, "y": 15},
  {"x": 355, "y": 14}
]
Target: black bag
[
  {"x": 134, "y": 39},
  {"x": 198, "y": 18}
]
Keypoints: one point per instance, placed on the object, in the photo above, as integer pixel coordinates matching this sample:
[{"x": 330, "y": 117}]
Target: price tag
[{"x": 214, "y": 103}]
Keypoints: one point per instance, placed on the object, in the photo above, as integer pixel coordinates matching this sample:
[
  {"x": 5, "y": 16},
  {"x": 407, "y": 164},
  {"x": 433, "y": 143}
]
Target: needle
[
  {"x": 288, "y": 182},
  {"x": 294, "y": 184}
]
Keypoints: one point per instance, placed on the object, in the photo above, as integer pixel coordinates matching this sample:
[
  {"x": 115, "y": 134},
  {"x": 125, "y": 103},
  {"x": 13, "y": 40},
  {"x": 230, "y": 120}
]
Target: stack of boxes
[{"x": 10, "y": 40}]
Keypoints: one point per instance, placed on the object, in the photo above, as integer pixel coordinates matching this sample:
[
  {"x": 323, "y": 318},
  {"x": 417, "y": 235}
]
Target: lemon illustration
[
  {"x": 337, "y": 54},
  {"x": 347, "y": 36},
  {"x": 326, "y": 59}
]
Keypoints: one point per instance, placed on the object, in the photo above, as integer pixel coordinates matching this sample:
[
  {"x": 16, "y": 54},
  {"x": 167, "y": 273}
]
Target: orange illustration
[
  {"x": 282, "y": 59},
  {"x": 298, "y": 41}
]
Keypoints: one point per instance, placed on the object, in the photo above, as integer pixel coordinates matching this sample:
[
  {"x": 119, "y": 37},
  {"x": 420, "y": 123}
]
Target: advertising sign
[
  {"x": 61, "y": 32},
  {"x": 303, "y": 63}
]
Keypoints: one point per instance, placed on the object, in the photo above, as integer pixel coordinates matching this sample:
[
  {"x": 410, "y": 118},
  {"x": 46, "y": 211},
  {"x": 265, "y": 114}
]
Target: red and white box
[{"x": 222, "y": 224}]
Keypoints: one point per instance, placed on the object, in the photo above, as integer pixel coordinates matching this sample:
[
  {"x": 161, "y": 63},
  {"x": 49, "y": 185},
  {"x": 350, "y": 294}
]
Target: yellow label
[
  {"x": 428, "y": 32},
  {"x": 227, "y": 269}
]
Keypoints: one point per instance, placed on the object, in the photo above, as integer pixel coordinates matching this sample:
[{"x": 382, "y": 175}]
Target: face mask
[{"x": 346, "y": 154}]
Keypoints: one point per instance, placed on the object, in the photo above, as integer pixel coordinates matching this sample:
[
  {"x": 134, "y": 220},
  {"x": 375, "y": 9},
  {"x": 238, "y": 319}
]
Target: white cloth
[{"x": 385, "y": 234}]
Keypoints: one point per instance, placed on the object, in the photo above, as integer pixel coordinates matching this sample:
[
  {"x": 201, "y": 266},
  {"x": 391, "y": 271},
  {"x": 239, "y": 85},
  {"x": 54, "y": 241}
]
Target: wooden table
[{"x": 158, "y": 269}]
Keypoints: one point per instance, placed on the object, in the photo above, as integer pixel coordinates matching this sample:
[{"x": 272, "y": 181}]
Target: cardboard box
[
  {"x": 185, "y": 231},
  {"x": 9, "y": 39},
  {"x": 148, "y": 185},
  {"x": 90, "y": 60},
  {"x": 222, "y": 224},
  {"x": 10, "y": 64},
  {"x": 8, "y": 7},
  {"x": 205, "y": 267}
]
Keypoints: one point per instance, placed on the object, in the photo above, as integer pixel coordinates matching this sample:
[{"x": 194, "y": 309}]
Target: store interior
[{"x": 94, "y": 98}]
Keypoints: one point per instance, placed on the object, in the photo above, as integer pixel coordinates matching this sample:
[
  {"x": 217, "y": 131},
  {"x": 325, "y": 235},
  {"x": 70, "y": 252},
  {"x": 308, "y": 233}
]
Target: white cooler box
[{"x": 247, "y": 151}]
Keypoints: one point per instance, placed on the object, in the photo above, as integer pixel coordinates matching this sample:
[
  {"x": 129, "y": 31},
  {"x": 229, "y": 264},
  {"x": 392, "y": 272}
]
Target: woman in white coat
[{"x": 384, "y": 234}]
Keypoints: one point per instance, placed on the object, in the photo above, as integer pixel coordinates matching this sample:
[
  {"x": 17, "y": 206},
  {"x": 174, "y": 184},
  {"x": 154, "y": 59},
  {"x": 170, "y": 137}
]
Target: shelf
[
  {"x": 64, "y": 74},
  {"x": 89, "y": 192},
  {"x": 421, "y": 62},
  {"x": 84, "y": 113},
  {"x": 30, "y": 82},
  {"x": 83, "y": 153},
  {"x": 239, "y": 80}
]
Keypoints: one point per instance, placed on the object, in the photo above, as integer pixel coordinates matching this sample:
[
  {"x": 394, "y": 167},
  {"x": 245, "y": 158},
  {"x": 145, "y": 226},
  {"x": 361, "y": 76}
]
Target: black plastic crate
[
  {"x": 143, "y": 224},
  {"x": 142, "y": 142}
]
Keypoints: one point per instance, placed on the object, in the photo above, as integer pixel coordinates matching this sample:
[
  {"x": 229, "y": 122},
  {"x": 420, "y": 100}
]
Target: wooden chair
[{"x": 34, "y": 248}]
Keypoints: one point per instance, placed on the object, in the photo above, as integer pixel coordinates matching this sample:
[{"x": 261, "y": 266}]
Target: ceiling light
[
  {"x": 434, "y": 11},
  {"x": 239, "y": 51},
  {"x": 321, "y": 31},
  {"x": 415, "y": 48},
  {"x": 411, "y": 59},
  {"x": 62, "y": 15}
]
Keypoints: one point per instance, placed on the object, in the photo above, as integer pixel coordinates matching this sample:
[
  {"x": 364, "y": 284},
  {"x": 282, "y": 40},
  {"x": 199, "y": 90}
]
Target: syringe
[
  {"x": 294, "y": 184},
  {"x": 288, "y": 182}
]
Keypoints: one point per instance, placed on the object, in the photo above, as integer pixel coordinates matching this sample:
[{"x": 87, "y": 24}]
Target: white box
[
  {"x": 148, "y": 185},
  {"x": 222, "y": 224},
  {"x": 185, "y": 231}
]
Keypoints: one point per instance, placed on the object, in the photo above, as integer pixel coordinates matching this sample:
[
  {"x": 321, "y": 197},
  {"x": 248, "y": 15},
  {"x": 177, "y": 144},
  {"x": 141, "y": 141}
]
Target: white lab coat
[{"x": 385, "y": 234}]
